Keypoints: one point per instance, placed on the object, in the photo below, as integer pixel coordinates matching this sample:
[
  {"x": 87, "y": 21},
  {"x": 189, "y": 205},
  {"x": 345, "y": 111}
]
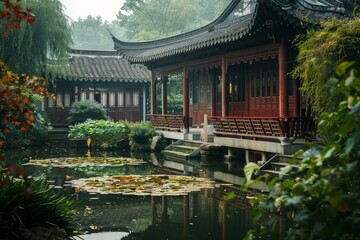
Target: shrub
[
  {"x": 86, "y": 109},
  {"x": 31, "y": 203},
  {"x": 37, "y": 135},
  {"x": 141, "y": 135},
  {"x": 102, "y": 133}
]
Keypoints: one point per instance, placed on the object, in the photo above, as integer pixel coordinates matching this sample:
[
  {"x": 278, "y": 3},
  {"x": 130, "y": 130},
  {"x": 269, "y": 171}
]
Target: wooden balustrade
[
  {"x": 167, "y": 122},
  {"x": 255, "y": 127},
  {"x": 252, "y": 127}
]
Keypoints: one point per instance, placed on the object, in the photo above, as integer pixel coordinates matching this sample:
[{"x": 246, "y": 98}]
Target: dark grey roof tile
[{"x": 101, "y": 66}]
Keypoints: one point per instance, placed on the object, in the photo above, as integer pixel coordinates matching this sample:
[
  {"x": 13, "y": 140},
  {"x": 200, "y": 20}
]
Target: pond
[{"x": 199, "y": 214}]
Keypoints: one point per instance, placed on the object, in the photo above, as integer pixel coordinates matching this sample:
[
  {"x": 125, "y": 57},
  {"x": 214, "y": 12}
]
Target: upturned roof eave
[
  {"x": 143, "y": 45},
  {"x": 288, "y": 10},
  {"x": 242, "y": 32}
]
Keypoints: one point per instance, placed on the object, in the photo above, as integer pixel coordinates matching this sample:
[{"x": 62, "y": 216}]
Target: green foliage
[
  {"x": 321, "y": 200},
  {"x": 38, "y": 133},
  {"x": 161, "y": 143},
  {"x": 141, "y": 134},
  {"x": 174, "y": 95},
  {"x": 153, "y": 19},
  {"x": 31, "y": 203},
  {"x": 93, "y": 33},
  {"x": 86, "y": 109},
  {"x": 102, "y": 133},
  {"x": 320, "y": 51},
  {"x": 36, "y": 136},
  {"x": 28, "y": 49}
]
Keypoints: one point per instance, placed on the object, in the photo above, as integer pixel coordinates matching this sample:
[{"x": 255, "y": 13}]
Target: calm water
[{"x": 199, "y": 215}]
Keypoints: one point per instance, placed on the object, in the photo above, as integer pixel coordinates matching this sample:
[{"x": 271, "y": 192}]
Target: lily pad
[
  {"x": 85, "y": 161},
  {"x": 155, "y": 185}
]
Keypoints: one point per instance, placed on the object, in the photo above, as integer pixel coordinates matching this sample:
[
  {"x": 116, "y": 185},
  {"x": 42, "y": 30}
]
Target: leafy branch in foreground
[{"x": 321, "y": 199}]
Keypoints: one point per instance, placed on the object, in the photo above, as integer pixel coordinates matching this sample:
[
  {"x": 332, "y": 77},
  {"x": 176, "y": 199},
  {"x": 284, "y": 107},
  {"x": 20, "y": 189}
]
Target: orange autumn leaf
[{"x": 16, "y": 123}]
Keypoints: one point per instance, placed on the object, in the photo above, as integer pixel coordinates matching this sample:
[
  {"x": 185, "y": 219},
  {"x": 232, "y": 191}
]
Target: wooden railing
[
  {"x": 167, "y": 122},
  {"x": 255, "y": 127},
  {"x": 252, "y": 127}
]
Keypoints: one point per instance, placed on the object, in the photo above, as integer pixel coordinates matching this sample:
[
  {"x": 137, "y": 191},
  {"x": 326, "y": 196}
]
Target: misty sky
[{"x": 107, "y": 9}]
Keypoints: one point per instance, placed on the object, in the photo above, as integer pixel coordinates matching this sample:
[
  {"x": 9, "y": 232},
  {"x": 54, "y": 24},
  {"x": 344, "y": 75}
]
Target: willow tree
[
  {"x": 320, "y": 50},
  {"x": 26, "y": 50}
]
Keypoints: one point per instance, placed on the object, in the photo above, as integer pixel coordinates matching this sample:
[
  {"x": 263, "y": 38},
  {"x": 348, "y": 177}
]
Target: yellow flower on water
[{"x": 88, "y": 142}]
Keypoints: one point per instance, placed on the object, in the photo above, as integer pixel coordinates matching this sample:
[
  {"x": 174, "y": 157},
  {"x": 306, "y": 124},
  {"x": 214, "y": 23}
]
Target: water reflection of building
[
  {"x": 195, "y": 216},
  {"x": 198, "y": 215}
]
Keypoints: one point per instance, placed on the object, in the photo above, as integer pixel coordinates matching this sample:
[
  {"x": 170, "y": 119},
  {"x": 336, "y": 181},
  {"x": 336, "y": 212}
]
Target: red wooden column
[
  {"x": 186, "y": 99},
  {"x": 153, "y": 93},
  {"x": 224, "y": 89},
  {"x": 164, "y": 81},
  {"x": 213, "y": 80},
  {"x": 283, "y": 81}
]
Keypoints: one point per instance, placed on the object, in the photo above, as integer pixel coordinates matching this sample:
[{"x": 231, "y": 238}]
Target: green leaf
[
  {"x": 229, "y": 196},
  {"x": 249, "y": 170},
  {"x": 284, "y": 171},
  {"x": 329, "y": 153},
  {"x": 350, "y": 80},
  {"x": 288, "y": 183},
  {"x": 335, "y": 200},
  {"x": 294, "y": 200},
  {"x": 350, "y": 143},
  {"x": 343, "y": 67},
  {"x": 298, "y": 189}
]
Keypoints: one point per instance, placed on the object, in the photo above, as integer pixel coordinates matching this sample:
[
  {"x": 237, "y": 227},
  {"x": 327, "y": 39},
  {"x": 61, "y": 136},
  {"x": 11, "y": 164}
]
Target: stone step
[
  {"x": 181, "y": 148},
  {"x": 175, "y": 154}
]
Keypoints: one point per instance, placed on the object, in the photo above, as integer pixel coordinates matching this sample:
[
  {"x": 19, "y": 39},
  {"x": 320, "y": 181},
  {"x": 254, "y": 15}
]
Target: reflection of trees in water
[
  {"x": 113, "y": 212},
  {"x": 85, "y": 172}
]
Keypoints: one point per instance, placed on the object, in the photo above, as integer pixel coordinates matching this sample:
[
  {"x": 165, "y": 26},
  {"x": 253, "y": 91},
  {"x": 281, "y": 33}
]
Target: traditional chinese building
[
  {"x": 236, "y": 71},
  {"x": 103, "y": 76}
]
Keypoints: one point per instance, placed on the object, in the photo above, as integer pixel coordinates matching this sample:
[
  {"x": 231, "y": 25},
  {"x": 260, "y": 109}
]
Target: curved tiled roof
[
  {"x": 225, "y": 29},
  {"x": 101, "y": 66}
]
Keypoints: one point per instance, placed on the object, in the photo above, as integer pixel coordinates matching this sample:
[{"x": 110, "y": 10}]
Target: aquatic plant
[
  {"x": 155, "y": 185},
  {"x": 28, "y": 203},
  {"x": 141, "y": 135},
  {"x": 85, "y": 161},
  {"x": 102, "y": 133}
]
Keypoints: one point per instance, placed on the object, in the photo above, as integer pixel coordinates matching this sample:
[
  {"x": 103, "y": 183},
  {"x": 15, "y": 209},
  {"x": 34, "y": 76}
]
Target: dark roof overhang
[
  {"x": 99, "y": 66},
  {"x": 298, "y": 13}
]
